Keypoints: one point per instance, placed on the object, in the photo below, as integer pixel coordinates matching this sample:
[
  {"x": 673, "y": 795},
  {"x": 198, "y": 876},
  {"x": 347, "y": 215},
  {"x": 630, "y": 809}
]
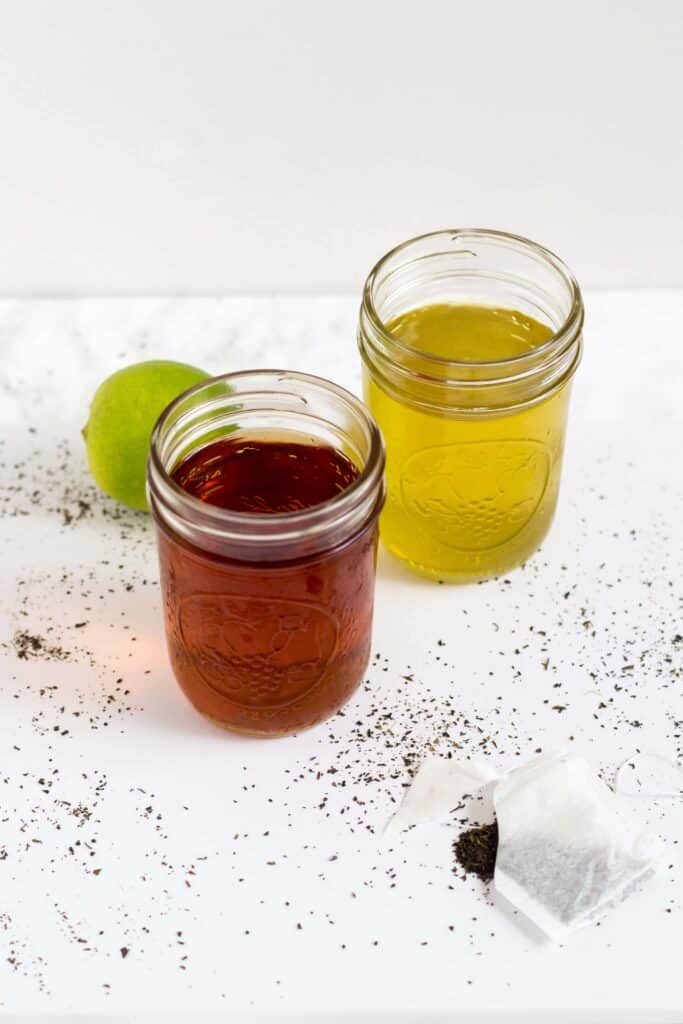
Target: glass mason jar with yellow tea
[{"x": 469, "y": 341}]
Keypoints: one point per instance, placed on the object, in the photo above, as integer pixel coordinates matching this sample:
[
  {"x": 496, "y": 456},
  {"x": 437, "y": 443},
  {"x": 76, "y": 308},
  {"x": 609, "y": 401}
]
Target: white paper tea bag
[
  {"x": 565, "y": 849},
  {"x": 439, "y": 786}
]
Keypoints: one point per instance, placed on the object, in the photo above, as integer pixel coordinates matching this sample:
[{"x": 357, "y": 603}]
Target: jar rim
[
  {"x": 277, "y": 527},
  {"x": 569, "y": 329}
]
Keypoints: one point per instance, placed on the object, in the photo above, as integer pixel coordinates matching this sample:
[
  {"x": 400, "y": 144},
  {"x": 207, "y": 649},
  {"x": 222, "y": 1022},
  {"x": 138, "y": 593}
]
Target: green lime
[{"x": 123, "y": 412}]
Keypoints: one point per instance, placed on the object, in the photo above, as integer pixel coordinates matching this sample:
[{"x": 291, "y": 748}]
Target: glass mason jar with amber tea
[
  {"x": 266, "y": 489},
  {"x": 469, "y": 341}
]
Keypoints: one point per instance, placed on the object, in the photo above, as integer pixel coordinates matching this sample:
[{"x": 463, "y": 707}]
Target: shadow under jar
[
  {"x": 474, "y": 418},
  {"x": 268, "y": 614}
]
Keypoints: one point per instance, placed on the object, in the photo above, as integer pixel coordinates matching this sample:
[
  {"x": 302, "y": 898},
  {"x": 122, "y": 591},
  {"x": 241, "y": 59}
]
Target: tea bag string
[{"x": 643, "y": 793}]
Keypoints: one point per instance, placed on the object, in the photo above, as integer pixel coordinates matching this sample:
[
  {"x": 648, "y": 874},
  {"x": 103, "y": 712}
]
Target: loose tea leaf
[
  {"x": 30, "y": 645},
  {"x": 475, "y": 850}
]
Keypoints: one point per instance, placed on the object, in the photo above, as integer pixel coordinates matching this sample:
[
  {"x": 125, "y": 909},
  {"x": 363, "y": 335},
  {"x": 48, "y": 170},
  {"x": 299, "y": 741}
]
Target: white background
[
  {"x": 587, "y": 626},
  {"x": 178, "y": 146}
]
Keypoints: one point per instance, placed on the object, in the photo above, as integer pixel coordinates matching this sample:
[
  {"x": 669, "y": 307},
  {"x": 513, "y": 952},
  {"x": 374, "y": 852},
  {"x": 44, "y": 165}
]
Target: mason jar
[
  {"x": 474, "y": 446},
  {"x": 268, "y": 616}
]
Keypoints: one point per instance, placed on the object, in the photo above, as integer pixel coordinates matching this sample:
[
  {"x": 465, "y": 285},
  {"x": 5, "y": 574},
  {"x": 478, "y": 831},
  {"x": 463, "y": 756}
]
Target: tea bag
[
  {"x": 565, "y": 849},
  {"x": 439, "y": 786}
]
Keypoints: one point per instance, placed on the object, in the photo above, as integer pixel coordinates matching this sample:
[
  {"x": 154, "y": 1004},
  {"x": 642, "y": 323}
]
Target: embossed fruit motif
[
  {"x": 256, "y": 651},
  {"x": 475, "y": 495}
]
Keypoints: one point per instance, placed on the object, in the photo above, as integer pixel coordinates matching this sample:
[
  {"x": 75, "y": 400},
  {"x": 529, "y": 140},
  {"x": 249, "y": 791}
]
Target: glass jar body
[
  {"x": 274, "y": 648},
  {"x": 468, "y": 498},
  {"x": 474, "y": 449},
  {"x": 268, "y": 616}
]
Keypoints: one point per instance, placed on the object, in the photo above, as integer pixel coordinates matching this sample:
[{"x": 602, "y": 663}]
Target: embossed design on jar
[
  {"x": 475, "y": 495},
  {"x": 257, "y": 652}
]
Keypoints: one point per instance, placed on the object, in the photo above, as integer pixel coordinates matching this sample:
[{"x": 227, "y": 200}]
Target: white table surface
[{"x": 242, "y": 874}]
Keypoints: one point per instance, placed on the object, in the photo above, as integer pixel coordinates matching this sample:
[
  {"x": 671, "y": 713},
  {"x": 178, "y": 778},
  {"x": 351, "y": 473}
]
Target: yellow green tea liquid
[{"x": 468, "y": 496}]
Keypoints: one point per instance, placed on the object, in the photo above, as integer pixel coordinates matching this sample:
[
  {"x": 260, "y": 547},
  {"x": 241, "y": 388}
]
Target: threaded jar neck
[
  {"x": 265, "y": 403},
  {"x": 471, "y": 267}
]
